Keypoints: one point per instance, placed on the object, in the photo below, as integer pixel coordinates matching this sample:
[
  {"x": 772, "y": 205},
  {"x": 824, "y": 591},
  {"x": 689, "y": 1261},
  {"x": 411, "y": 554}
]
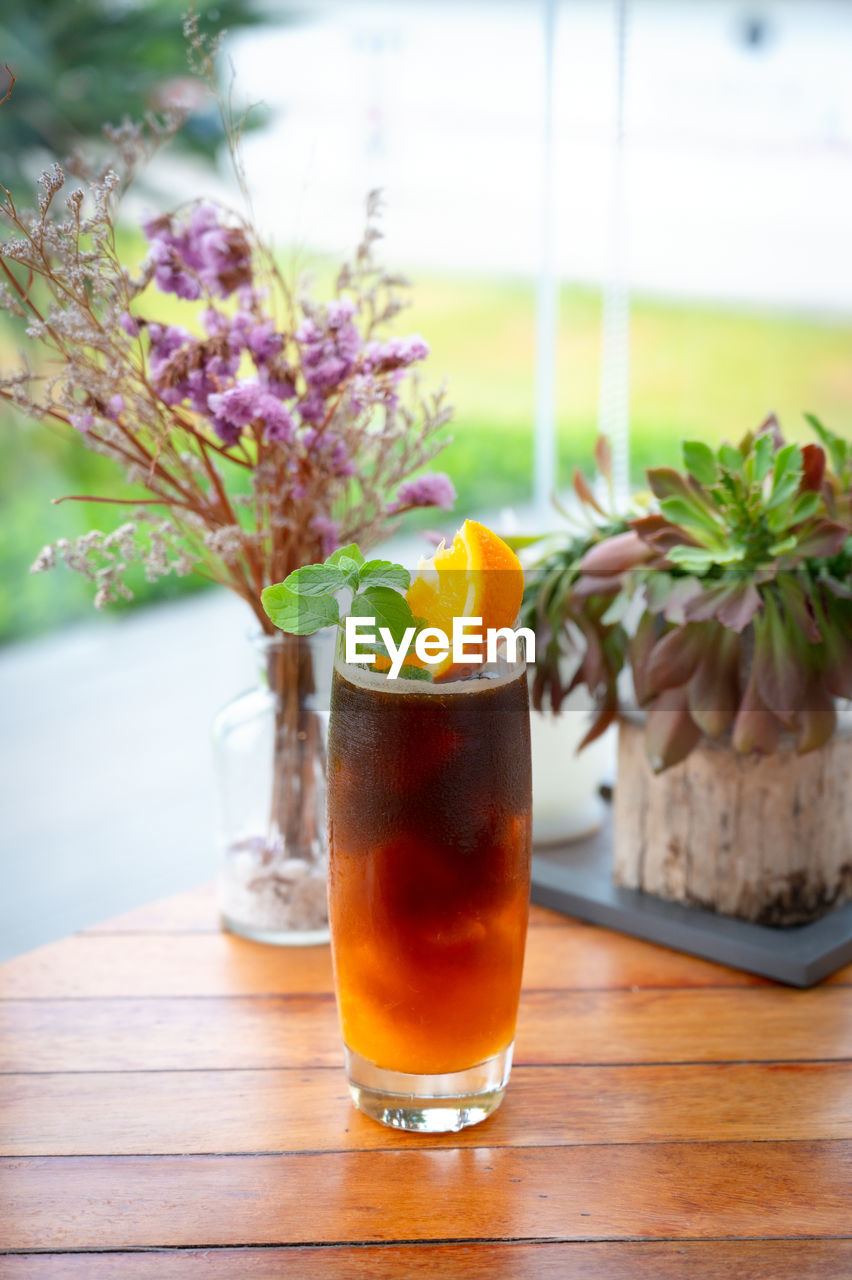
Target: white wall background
[{"x": 738, "y": 159}]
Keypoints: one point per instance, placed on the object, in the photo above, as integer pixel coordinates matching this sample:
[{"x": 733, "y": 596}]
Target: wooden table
[{"x": 172, "y": 1105}]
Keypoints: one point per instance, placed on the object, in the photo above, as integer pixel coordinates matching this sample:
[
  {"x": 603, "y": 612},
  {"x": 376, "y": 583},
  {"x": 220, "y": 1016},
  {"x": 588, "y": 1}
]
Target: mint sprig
[{"x": 308, "y": 598}]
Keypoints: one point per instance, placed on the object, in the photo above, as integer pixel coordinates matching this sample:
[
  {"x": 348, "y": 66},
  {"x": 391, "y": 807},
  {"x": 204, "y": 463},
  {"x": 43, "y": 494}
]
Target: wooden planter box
[{"x": 763, "y": 838}]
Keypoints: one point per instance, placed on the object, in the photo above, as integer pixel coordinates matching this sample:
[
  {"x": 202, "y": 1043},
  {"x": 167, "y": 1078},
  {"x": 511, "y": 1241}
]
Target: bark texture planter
[{"x": 765, "y": 838}]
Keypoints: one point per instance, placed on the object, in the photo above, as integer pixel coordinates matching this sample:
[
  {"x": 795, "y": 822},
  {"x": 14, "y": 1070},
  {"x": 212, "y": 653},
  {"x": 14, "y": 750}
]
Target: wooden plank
[
  {"x": 700, "y": 1260},
  {"x": 698, "y": 1025},
  {"x": 197, "y": 1112},
  {"x": 177, "y": 964},
  {"x": 196, "y": 911},
  {"x": 696, "y": 1191},
  {"x": 544, "y": 918},
  {"x": 203, "y": 964}
]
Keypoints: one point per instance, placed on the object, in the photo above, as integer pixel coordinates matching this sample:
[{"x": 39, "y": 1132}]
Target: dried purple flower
[
  {"x": 434, "y": 489},
  {"x": 329, "y": 532}
]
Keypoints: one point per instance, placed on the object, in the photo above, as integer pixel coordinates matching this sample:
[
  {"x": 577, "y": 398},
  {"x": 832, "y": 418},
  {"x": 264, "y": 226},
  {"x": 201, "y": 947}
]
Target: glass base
[
  {"x": 276, "y": 937},
  {"x": 428, "y": 1103}
]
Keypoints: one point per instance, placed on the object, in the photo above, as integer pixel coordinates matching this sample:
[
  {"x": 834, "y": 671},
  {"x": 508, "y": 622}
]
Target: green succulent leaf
[
  {"x": 700, "y": 461},
  {"x": 805, "y": 506},
  {"x": 698, "y": 560},
  {"x": 786, "y": 544},
  {"x": 731, "y": 459},
  {"x": 763, "y": 454},
  {"x": 839, "y": 450},
  {"x": 783, "y": 490},
  {"x": 695, "y": 559},
  {"x": 788, "y": 463},
  {"x": 690, "y": 514}
]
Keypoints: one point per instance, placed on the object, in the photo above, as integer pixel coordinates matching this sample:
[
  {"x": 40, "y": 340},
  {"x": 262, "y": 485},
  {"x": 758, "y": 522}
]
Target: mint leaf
[
  {"x": 350, "y": 570},
  {"x": 387, "y": 606},
  {"x": 382, "y": 573},
  {"x": 349, "y": 552},
  {"x": 315, "y": 580},
  {"x": 414, "y": 673},
  {"x": 298, "y": 614}
]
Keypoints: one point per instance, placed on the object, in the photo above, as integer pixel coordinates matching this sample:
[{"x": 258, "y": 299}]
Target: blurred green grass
[{"x": 696, "y": 371}]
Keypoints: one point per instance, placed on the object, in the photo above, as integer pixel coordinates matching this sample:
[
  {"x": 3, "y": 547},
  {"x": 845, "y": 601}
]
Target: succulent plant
[{"x": 729, "y": 597}]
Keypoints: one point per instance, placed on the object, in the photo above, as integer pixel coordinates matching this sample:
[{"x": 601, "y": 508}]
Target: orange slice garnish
[{"x": 478, "y": 576}]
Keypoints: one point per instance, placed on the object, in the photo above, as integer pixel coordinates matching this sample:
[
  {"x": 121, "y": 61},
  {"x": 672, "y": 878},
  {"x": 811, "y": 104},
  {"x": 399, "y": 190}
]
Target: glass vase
[{"x": 270, "y": 751}]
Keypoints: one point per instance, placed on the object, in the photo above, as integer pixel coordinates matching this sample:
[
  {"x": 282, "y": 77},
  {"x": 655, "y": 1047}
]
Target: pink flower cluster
[
  {"x": 431, "y": 490},
  {"x": 201, "y": 256},
  {"x": 246, "y": 377}
]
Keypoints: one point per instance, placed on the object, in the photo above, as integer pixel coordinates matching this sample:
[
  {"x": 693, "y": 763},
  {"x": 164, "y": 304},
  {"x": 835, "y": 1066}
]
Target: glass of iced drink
[{"x": 429, "y": 827}]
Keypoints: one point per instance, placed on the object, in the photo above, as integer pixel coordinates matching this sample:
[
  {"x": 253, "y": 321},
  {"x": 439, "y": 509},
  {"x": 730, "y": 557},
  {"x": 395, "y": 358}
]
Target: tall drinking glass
[{"x": 429, "y": 843}]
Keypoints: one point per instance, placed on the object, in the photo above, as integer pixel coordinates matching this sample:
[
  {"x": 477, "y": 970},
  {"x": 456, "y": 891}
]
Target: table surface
[{"x": 166, "y": 1087}]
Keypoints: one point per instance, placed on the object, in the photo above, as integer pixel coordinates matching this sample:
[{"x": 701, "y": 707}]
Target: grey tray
[{"x": 577, "y": 879}]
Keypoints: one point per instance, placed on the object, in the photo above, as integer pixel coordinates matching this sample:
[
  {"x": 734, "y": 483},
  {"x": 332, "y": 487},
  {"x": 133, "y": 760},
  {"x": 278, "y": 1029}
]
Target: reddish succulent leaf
[
  {"x": 603, "y": 457},
  {"x": 674, "y": 658},
  {"x": 772, "y": 425},
  {"x": 821, "y": 540},
  {"x": 641, "y": 644},
  {"x": 797, "y": 607},
  {"x": 592, "y": 669},
  {"x": 755, "y": 727},
  {"x": 702, "y": 608},
  {"x": 817, "y": 719},
  {"x": 606, "y": 714},
  {"x": 683, "y": 591},
  {"x": 777, "y": 669},
  {"x": 670, "y": 731},
  {"x": 733, "y": 603},
  {"x": 665, "y": 482},
  {"x": 592, "y": 585},
  {"x": 837, "y": 663},
  {"x": 840, "y": 589},
  {"x": 584, "y": 492},
  {"x": 714, "y": 692},
  {"x": 661, "y": 535},
  {"x": 615, "y": 555},
  {"x": 740, "y": 606},
  {"x": 813, "y": 468}
]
